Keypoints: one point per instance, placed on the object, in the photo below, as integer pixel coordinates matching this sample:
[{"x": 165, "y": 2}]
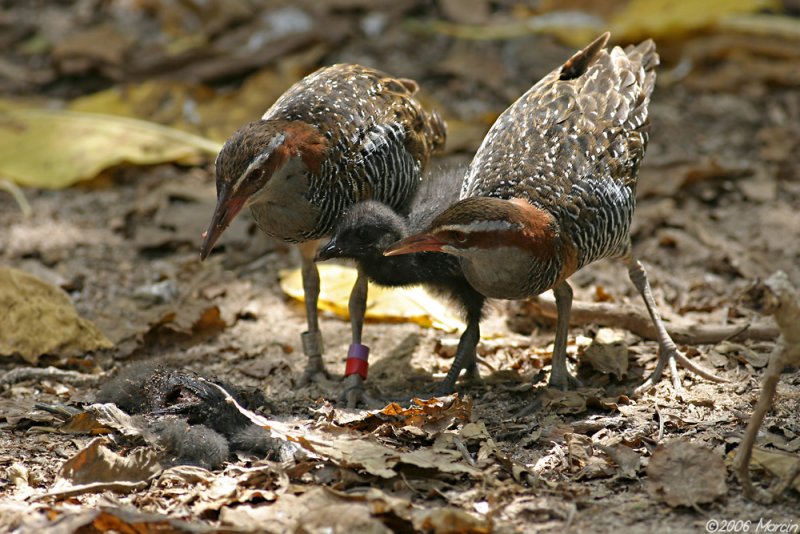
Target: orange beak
[
  {"x": 224, "y": 213},
  {"x": 415, "y": 243}
]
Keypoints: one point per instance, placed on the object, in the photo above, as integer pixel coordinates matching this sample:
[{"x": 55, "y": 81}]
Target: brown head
[
  {"x": 251, "y": 157},
  {"x": 485, "y": 223},
  {"x": 508, "y": 248}
]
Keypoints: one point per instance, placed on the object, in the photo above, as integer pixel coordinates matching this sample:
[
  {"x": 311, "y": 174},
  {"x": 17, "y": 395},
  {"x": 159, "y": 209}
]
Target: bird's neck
[{"x": 281, "y": 208}]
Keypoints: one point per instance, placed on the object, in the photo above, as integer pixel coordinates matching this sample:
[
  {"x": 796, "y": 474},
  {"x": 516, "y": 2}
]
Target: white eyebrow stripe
[{"x": 261, "y": 158}]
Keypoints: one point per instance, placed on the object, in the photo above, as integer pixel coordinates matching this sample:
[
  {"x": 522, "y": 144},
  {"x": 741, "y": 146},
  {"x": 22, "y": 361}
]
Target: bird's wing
[{"x": 583, "y": 121}]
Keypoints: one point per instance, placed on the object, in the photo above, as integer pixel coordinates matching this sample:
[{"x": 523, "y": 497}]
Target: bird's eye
[{"x": 459, "y": 237}]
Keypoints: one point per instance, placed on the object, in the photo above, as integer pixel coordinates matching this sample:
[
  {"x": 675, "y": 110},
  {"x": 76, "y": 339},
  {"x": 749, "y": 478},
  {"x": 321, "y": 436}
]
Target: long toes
[
  {"x": 645, "y": 386},
  {"x": 473, "y": 377},
  {"x": 354, "y": 394},
  {"x": 314, "y": 372},
  {"x": 357, "y": 396},
  {"x": 668, "y": 359},
  {"x": 442, "y": 390},
  {"x": 564, "y": 382},
  {"x": 677, "y": 385}
]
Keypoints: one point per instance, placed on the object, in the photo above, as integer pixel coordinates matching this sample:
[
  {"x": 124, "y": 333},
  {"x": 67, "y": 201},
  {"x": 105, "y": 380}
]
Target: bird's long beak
[
  {"x": 226, "y": 210},
  {"x": 328, "y": 251},
  {"x": 415, "y": 243}
]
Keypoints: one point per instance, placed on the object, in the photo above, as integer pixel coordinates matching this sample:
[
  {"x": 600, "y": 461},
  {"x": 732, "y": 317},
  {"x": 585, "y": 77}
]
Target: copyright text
[{"x": 760, "y": 526}]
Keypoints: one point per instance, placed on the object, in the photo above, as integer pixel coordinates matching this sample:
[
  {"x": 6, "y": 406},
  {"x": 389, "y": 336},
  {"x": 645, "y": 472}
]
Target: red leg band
[{"x": 357, "y": 360}]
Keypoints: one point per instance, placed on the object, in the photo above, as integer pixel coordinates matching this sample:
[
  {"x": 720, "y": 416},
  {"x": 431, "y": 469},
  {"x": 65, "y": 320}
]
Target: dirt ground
[{"x": 718, "y": 196}]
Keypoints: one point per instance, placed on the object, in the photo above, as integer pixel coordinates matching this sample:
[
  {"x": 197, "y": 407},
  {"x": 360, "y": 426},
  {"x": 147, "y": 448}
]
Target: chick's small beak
[
  {"x": 328, "y": 251},
  {"x": 415, "y": 243},
  {"x": 226, "y": 210}
]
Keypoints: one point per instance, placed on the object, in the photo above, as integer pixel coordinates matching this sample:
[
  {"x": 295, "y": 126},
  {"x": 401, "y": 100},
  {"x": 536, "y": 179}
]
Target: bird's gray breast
[
  {"x": 282, "y": 209},
  {"x": 500, "y": 273}
]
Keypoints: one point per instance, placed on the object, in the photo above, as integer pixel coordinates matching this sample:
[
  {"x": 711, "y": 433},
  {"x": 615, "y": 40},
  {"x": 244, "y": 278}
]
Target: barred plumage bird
[
  {"x": 552, "y": 189},
  {"x": 342, "y": 135},
  {"x": 370, "y": 227}
]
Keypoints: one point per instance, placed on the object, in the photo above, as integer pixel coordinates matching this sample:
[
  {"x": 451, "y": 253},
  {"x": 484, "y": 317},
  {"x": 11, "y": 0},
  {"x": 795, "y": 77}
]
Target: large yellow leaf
[
  {"x": 194, "y": 108},
  {"x": 383, "y": 303},
  {"x": 54, "y": 149},
  {"x": 37, "y": 318},
  {"x": 670, "y": 19}
]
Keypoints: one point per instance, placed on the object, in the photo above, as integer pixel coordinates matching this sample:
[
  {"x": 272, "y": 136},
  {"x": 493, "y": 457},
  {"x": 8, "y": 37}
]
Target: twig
[
  {"x": 463, "y": 450},
  {"x": 73, "y": 378},
  {"x": 635, "y": 319},
  {"x": 660, "y": 424},
  {"x": 12, "y": 189}
]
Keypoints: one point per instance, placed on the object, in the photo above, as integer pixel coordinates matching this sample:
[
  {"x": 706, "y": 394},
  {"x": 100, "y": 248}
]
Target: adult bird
[
  {"x": 552, "y": 189},
  {"x": 341, "y": 135}
]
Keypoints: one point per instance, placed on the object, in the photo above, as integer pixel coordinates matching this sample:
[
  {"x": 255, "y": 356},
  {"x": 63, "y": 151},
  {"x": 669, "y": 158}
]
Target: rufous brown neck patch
[{"x": 307, "y": 142}]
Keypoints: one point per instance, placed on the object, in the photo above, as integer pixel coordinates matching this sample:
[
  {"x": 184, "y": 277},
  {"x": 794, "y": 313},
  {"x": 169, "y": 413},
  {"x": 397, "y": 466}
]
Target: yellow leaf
[
  {"x": 193, "y": 108},
  {"x": 54, "y": 149},
  {"x": 37, "y": 318},
  {"x": 670, "y": 19},
  {"x": 394, "y": 304}
]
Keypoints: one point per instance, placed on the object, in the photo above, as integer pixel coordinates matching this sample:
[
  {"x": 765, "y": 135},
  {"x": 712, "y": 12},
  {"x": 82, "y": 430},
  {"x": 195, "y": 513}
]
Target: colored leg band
[
  {"x": 312, "y": 343},
  {"x": 357, "y": 360}
]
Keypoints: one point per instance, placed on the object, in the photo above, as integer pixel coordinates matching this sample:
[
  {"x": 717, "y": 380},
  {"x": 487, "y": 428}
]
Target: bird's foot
[
  {"x": 748, "y": 488},
  {"x": 669, "y": 355},
  {"x": 773, "y": 494},
  {"x": 314, "y": 372},
  {"x": 563, "y": 380},
  {"x": 471, "y": 378},
  {"x": 315, "y": 368},
  {"x": 353, "y": 393}
]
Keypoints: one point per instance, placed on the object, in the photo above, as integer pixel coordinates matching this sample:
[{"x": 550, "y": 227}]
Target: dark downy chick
[{"x": 370, "y": 227}]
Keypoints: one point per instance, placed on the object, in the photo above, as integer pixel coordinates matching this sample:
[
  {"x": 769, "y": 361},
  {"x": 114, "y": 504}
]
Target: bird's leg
[
  {"x": 465, "y": 358},
  {"x": 559, "y": 375},
  {"x": 358, "y": 354},
  {"x": 311, "y": 338},
  {"x": 668, "y": 352}
]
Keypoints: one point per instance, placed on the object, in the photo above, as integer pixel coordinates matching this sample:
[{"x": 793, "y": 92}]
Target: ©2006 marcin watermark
[{"x": 762, "y": 526}]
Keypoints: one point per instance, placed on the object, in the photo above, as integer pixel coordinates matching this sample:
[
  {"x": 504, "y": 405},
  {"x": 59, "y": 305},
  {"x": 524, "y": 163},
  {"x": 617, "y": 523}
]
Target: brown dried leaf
[
  {"x": 628, "y": 460},
  {"x": 564, "y": 402},
  {"x": 358, "y": 451},
  {"x": 779, "y": 464},
  {"x": 430, "y": 415},
  {"x": 101, "y": 419},
  {"x": 109, "y": 519},
  {"x": 318, "y": 510},
  {"x": 96, "y": 463},
  {"x": 465, "y": 11},
  {"x": 582, "y": 458},
  {"x": 681, "y": 473},
  {"x": 80, "y": 52},
  {"x": 190, "y": 318},
  {"x": 450, "y": 520},
  {"x": 608, "y": 353},
  {"x": 241, "y": 485}
]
